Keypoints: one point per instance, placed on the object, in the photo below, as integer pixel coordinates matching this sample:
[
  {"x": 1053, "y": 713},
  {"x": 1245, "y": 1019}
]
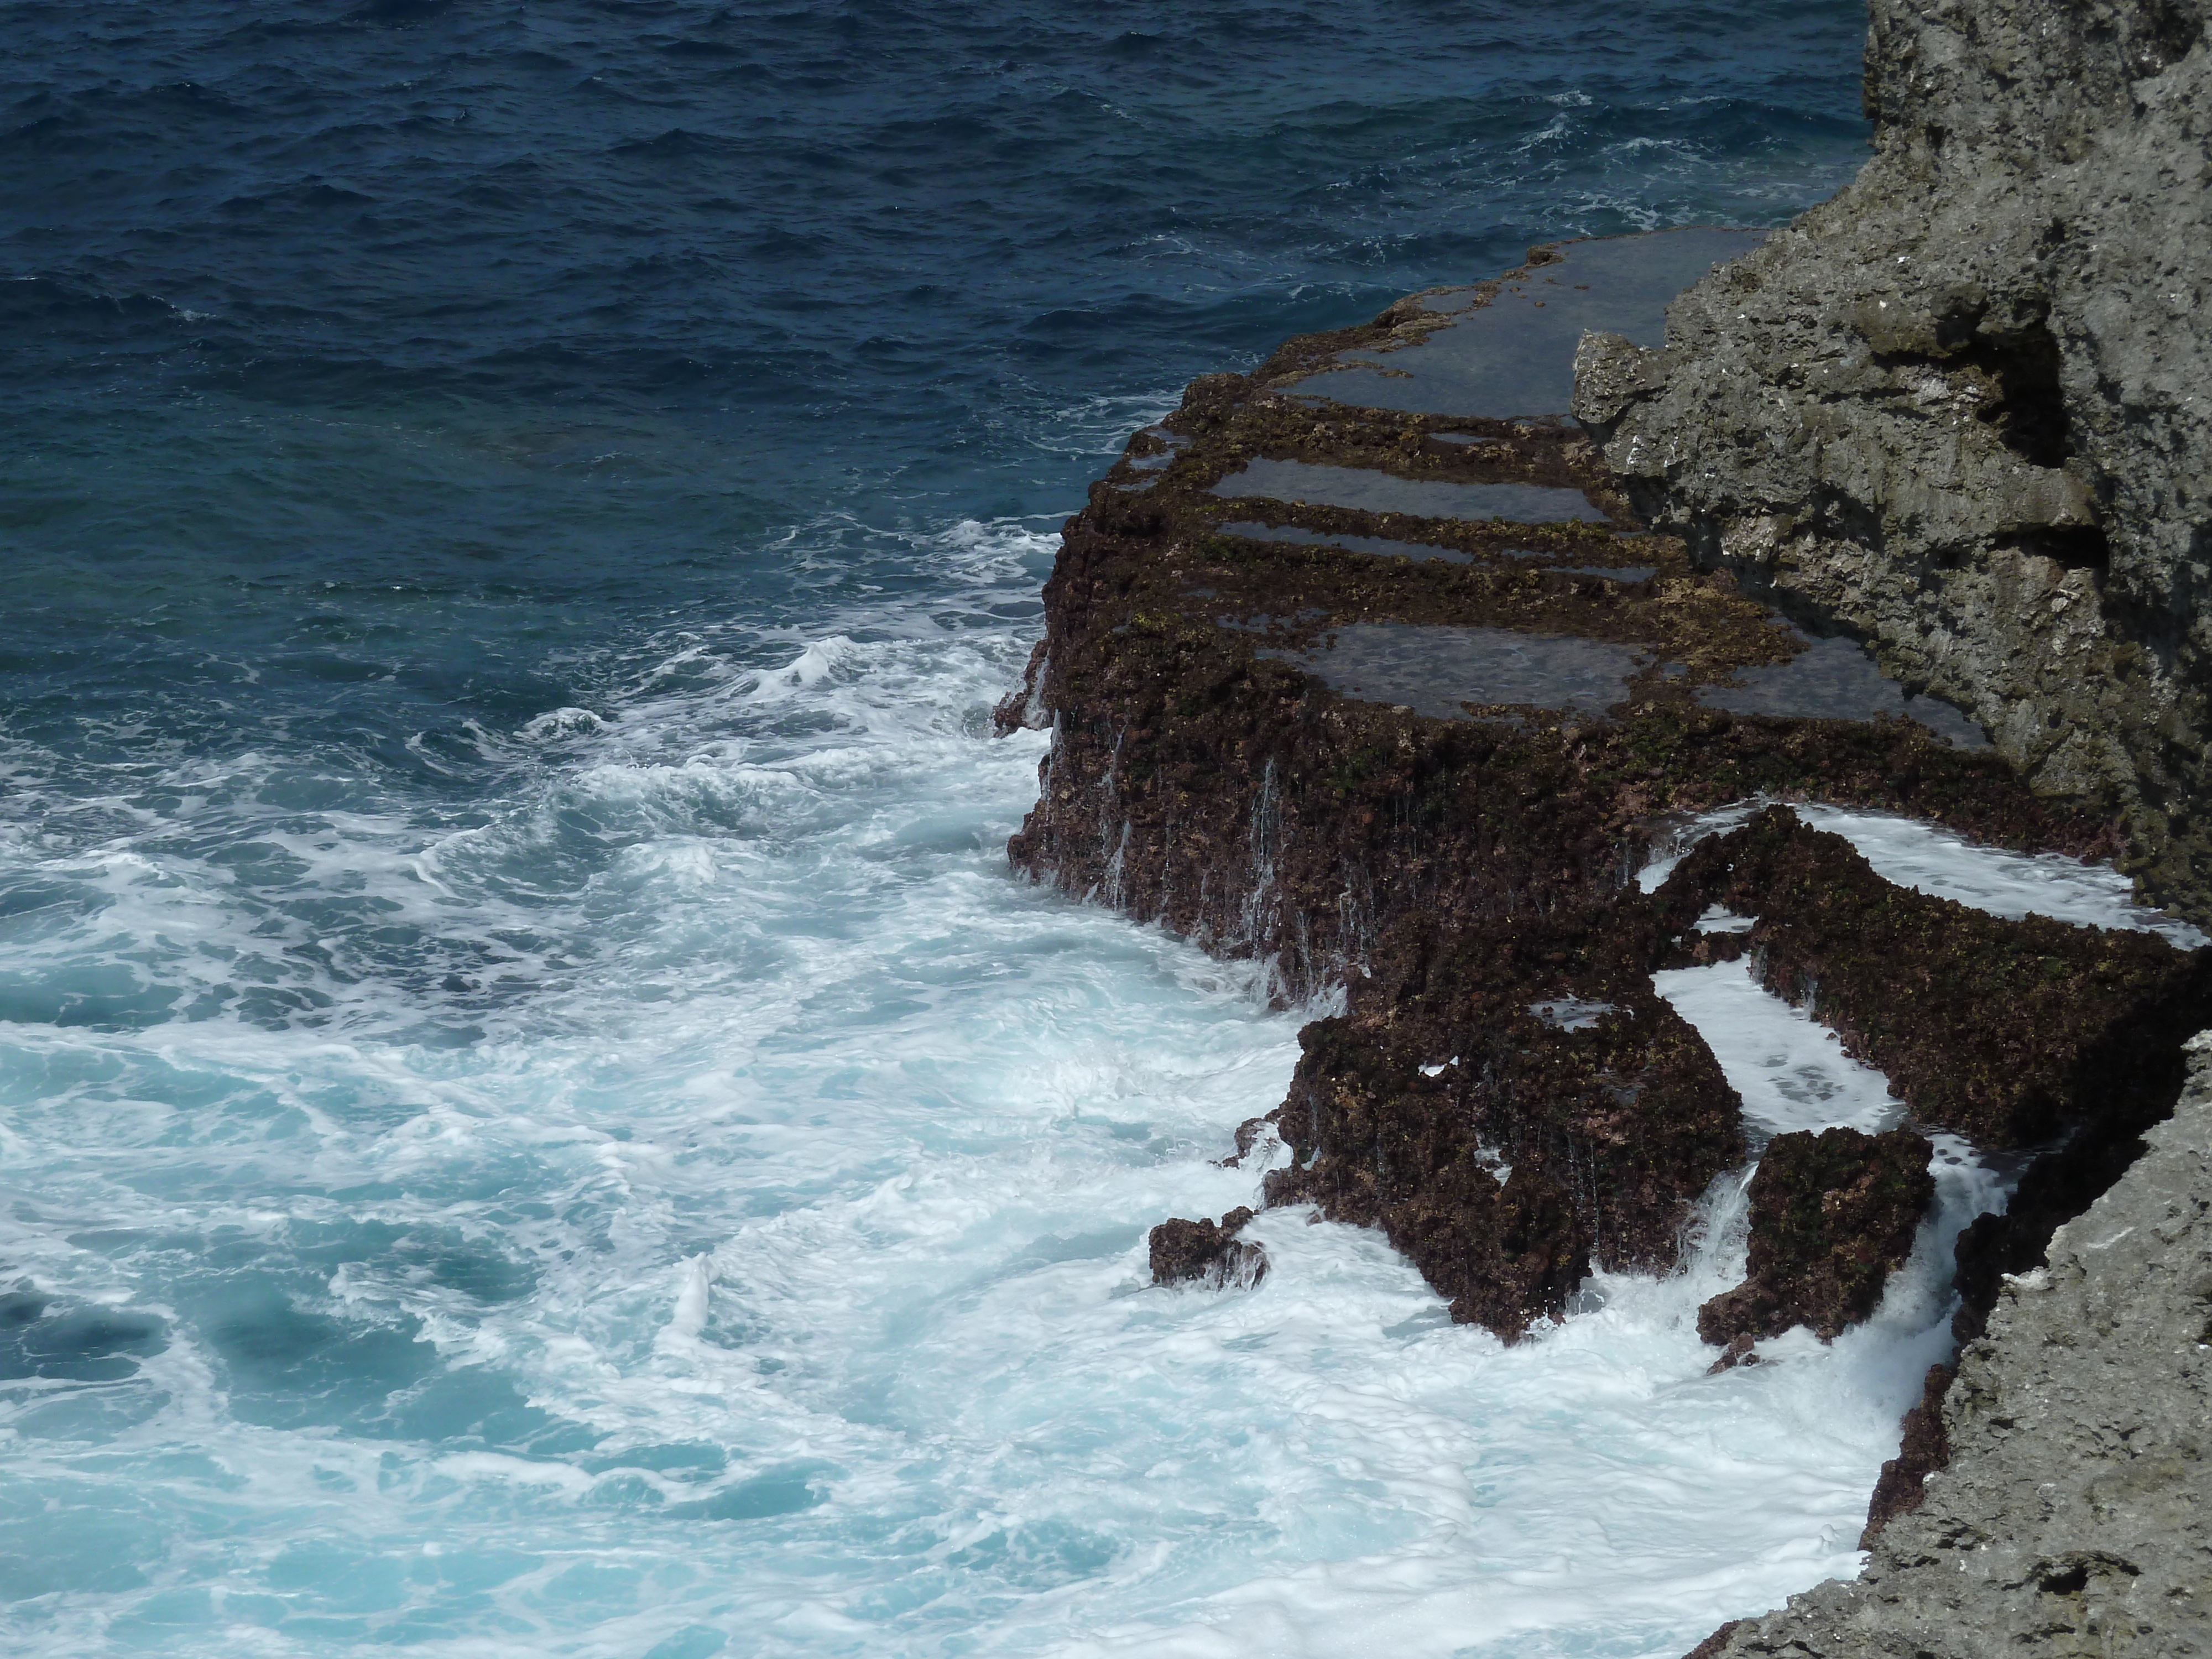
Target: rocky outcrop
[
  {"x": 1832, "y": 1215},
  {"x": 1398, "y": 702},
  {"x": 1961, "y": 410},
  {"x": 2007, "y": 1032},
  {"x": 1958, "y": 412},
  {"x": 1207, "y": 1253},
  {"x": 1464, "y": 876},
  {"x": 2072, "y": 1517}
]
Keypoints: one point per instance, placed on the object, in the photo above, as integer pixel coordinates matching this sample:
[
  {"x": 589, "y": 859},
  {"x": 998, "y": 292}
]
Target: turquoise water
[{"x": 533, "y": 1118}]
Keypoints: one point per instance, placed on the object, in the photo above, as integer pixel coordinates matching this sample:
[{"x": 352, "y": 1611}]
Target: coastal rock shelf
[
  {"x": 1506, "y": 348},
  {"x": 1960, "y": 408},
  {"x": 1362, "y": 668},
  {"x": 1957, "y": 411}
]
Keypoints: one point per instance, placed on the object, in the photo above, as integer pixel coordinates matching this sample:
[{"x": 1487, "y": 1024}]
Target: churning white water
[
  {"x": 1945, "y": 865},
  {"x": 730, "y": 1239}
]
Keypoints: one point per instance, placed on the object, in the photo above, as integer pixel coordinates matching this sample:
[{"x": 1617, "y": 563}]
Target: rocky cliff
[
  {"x": 1963, "y": 413},
  {"x": 2071, "y": 1519},
  {"x": 1963, "y": 410}
]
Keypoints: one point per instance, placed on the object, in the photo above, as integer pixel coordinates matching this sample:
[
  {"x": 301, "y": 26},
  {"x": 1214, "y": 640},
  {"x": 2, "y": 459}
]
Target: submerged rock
[
  {"x": 1206, "y": 1252},
  {"x": 1832, "y": 1215}
]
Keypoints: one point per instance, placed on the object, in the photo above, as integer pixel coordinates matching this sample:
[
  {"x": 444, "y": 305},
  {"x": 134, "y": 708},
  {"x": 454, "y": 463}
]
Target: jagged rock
[
  {"x": 1217, "y": 769},
  {"x": 1832, "y": 1215},
  {"x": 1248, "y": 1136},
  {"x": 1545, "y": 1148},
  {"x": 1960, "y": 408},
  {"x": 1207, "y": 1252},
  {"x": 1451, "y": 875},
  {"x": 1379, "y": 1144},
  {"x": 1025, "y": 708},
  {"x": 1739, "y": 1351},
  {"x": 2071, "y": 1517},
  {"x": 1503, "y": 1256},
  {"x": 1924, "y": 1450},
  {"x": 2007, "y": 1032}
]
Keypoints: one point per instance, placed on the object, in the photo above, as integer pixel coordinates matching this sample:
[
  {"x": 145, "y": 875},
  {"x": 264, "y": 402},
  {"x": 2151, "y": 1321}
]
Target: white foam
[
  {"x": 1934, "y": 860},
  {"x": 1792, "y": 1073},
  {"x": 557, "y": 723},
  {"x": 752, "y": 1247},
  {"x": 820, "y": 660}
]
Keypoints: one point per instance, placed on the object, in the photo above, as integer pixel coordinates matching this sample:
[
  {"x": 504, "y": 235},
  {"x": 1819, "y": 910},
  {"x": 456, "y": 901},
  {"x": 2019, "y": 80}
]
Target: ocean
[{"x": 534, "y": 1118}]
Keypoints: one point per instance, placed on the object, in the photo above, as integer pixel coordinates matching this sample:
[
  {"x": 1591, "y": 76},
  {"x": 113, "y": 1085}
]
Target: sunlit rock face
[
  {"x": 2069, "y": 1518},
  {"x": 1832, "y": 1215},
  {"x": 1398, "y": 697},
  {"x": 1961, "y": 409}
]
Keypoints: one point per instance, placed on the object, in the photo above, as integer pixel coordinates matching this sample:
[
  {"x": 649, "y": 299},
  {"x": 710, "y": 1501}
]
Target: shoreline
[{"x": 1402, "y": 700}]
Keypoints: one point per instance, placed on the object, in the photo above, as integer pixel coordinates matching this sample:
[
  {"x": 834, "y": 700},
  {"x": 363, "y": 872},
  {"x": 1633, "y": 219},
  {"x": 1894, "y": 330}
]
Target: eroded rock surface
[
  {"x": 1960, "y": 410},
  {"x": 2072, "y": 1518},
  {"x": 1207, "y": 1252},
  {"x": 2008, "y": 1031},
  {"x": 1832, "y": 1215},
  {"x": 1301, "y": 712}
]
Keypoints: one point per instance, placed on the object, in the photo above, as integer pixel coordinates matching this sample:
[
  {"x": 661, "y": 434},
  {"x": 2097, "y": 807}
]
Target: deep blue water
[
  {"x": 576, "y": 312},
  {"x": 531, "y": 1116}
]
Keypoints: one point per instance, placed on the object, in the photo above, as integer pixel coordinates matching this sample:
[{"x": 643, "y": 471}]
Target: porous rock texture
[
  {"x": 1504, "y": 1095},
  {"x": 1964, "y": 410},
  {"x": 1832, "y": 1215},
  {"x": 2006, "y": 1030},
  {"x": 1455, "y": 878},
  {"x": 1206, "y": 1252},
  {"x": 2073, "y": 1517}
]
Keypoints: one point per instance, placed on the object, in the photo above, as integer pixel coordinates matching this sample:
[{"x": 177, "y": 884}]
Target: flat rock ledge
[{"x": 2075, "y": 1515}]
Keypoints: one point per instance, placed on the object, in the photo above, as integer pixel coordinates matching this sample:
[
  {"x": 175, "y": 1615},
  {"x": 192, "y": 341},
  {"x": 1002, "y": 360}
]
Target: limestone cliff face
[
  {"x": 2071, "y": 1519},
  {"x": 1963, "y": 410}
]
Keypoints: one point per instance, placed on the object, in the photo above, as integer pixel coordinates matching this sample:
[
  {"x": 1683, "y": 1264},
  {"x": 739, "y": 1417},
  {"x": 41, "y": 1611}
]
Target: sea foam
[{"x": 700, "y": 1207}]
